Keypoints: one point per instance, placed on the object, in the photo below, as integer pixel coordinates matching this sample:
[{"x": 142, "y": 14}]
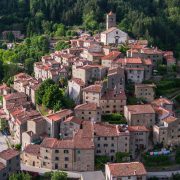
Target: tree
[
  {"x": 59, "y": 175},
  {"x": 20, "y": 176},
  {"x": 61, "y": 45},
  {"x": 28, "y": 65},
  {"x": 59, "y": 29},
  {"x": 52, "y": 97},
  {"x": 121, "y": 156},
  {"x": 42, "y": 89},
  {"x": 1, "y": 70},
  {"x": 89, "y": 21}
]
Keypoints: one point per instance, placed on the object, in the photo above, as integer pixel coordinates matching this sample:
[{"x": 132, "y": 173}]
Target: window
[
  {"x": 105, "y": 145},
  {"x": 89, "y": 112},
  {"x": 112, "y": 150},
  {"x": 56, "y": 151},
  {"x": 56, "y": 166},
  {"x": 66, "y": 151},
  {"x": 98, "y": 145},
  {"x": 98, "y": 138},
  {"x": 112, "y": 138},
  {"x": 105, "y": 138},
  {"x": 46, "y": 150},
  {"x": 56, "y": 158},
  {"x": 112, "y": 145},
  {"x": 66, "y": 159},
  {"x": 65, "y": 166},
  {"x": 45, "y": 157}
]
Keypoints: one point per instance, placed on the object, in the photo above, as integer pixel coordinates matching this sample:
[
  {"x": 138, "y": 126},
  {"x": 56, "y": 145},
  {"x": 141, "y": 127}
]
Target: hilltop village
[{"x": 102, "y": 82}]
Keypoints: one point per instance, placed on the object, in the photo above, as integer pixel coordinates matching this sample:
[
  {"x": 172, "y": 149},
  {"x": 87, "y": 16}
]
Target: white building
[{"x": 114, "y": 36}]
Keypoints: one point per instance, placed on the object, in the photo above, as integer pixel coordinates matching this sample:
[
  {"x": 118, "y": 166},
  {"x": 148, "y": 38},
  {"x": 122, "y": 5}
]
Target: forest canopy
[{"x": 156, "y": 20}]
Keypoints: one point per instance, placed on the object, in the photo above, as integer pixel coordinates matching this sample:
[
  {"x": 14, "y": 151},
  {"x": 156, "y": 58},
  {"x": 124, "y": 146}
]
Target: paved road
[
  {"x": 3, "y": 144},
  {"x": 41, "y": 171}
]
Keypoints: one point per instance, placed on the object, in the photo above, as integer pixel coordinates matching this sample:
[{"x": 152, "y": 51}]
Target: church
[{"x": 113, "y": 35}]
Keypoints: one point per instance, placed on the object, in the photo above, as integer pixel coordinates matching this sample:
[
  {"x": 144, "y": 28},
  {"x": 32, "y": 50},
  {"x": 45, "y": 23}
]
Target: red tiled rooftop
[
  {"x": 141, "y": 109},
  {"x": 105, "y": 130},
  {"x": 33, "y": 149},
  {"x": 138, "y": 129},
  {"x": 17, "y": 95},
  {"x": 59, "y": 115},
  {"x": 93, "y": 88},
  {"x": 127, "y": 169},
  {"x": 74, "y": 119},
  {"x": 8, "y": 154},
  {"x": 78, "y": 81},
  {"x": 113, "y": 95},
  {"x": 111, "y": 56},
  {"x": 133, "y": 60},
  {"x": 161, "y": 101},
  {"x": 147, "y": 61},
  {"x": 145, "y": 85},
  {"x": 170, "y": 119},
  {"x": 87, "y": 107}
]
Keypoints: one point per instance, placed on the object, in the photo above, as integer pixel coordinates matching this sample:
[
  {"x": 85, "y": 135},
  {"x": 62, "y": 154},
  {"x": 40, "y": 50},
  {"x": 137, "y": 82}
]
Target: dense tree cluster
[
  {"x": 23, "y": 56},
  {"x": 52, "y": 97},
  {"x": 156, "y": 20}
]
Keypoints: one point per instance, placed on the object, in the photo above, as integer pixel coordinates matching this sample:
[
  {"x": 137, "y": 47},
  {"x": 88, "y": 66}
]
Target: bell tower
[{"x": 110, "y": 20}]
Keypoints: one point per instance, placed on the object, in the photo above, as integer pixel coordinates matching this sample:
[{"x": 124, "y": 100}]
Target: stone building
[
  {"x": 9, "y": 163},
  {"x": 140, "y": 115},
  {"x": 113, "y": 35},
  {"x": 145, "y": 91},
  {"x": 132, "y": 171},
  {"x": 139, "y": 139},
  {"x": 167, "y": 131},
  {"x": 110, "y": 20},
  {"x": 88, "y": 111}
]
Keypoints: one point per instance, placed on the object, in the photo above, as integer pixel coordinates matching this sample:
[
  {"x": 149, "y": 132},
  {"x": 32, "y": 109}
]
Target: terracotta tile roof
[
  {"x": 57, "y": 144},
  {"x": 15, "y": 96},
  {"x": 151, "y": 51},
  {"x": 141, "y": 109},
  {"x": 170, "y": 119},
  {"x": 105, "y": 130},
  {"x": 127, "y": 169},
  {"x": 133, "y": 60},
  {"x": 161, "y": 102},
  {"x": 4, "y": 86},
  {"x": 59, "y": 115},
  {"x": 33, "y": 149},
  {"x": 162, "y": 112},
  {"x": 109, "y": 30},
  {"x": 145, "y": 85},
  {"x": 147, "y": 61},
  {"x": 113, "y": 95},
  {"x": 138, "y": 129},
  {"x": 8, "y": 154},
  {"x": 22, "y": 76},
  {"x": 87, "y": 107},
  {"x": 116, "y": 70},
  {"x": 135, "y": 69},
  {"x": 74, "y": 120},
  {"x": 78, "y": 81},
  {"x": 111, "y": 56},
  {"x": 2, "y": 166},
  {"x": 93, "y": 88}
]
